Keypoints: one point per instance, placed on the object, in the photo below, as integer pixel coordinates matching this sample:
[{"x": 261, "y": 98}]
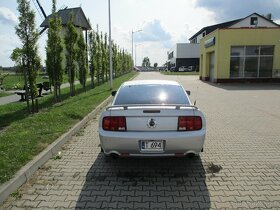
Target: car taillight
[
  {"x": 189, "y": 123},
  {"x": 114, "y": 123}
]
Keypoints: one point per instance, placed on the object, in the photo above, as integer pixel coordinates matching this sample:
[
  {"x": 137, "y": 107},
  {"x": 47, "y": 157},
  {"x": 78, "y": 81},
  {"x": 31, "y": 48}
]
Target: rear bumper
[{"x": 175, "y": 143}]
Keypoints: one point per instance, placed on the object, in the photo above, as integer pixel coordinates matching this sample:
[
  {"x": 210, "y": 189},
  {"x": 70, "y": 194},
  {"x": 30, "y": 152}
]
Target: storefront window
[
  {"x": 267, "y": 50},
  {"x": 251, "y": 67},
  {"x": 236, "y": 67},
  {"x": 266, "y": 64},
  {"x": 251, "y": 61},
  {"x": 237, "y": 51},
  {"x": 252, "y": 50}
]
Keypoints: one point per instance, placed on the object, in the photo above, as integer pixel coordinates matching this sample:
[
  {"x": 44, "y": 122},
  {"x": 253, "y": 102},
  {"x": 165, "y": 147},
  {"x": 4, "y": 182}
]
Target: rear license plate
[{"x": 151, "y": 145}]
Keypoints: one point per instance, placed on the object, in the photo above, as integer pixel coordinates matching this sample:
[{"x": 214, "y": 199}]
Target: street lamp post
[
  {"x": 110, "y": 47},
  {"x": 135, "y": 53},
  {"x": 132, "y": 44}
]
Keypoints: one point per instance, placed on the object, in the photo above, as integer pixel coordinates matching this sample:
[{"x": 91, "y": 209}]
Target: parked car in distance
[
  {"x": 191, "y": 68},
  {"x": 186, "y": 69},
  {"x": 173, "y": 68},
  {"x": 151, "y": 118},
  {"x": 182, "y": 68}
]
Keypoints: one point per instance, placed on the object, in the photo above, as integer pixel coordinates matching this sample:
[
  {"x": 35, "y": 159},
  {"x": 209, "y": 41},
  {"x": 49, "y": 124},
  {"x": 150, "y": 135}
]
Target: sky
[{"x": 163, "y": 23}]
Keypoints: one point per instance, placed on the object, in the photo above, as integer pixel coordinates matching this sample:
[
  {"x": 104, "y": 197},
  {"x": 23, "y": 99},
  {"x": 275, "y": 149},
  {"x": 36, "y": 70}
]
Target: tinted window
[{"x": 151, "y": 94}]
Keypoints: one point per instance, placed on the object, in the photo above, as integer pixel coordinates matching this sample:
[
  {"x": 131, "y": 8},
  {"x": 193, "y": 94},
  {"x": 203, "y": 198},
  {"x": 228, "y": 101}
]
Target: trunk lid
[{"x": 151, "y": 118}]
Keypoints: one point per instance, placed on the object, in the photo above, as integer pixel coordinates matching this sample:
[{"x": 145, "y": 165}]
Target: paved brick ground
[{"x": 240, "y": 166}]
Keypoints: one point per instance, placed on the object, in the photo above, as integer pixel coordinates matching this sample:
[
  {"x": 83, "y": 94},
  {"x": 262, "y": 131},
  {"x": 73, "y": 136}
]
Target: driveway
[{"x": 239, "y": 167}]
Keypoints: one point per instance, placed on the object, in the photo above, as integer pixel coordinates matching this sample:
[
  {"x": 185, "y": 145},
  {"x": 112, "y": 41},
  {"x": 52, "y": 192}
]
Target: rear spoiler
[{"x": 126, "y": 107}]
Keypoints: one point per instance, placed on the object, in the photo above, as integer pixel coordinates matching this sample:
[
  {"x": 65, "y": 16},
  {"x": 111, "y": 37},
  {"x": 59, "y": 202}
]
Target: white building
[{"x": 183, "y": 54}]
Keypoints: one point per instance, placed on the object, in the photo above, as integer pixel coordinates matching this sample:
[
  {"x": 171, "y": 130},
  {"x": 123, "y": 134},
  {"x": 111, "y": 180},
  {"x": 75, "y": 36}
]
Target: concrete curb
[{"x": 30, "y": 168}]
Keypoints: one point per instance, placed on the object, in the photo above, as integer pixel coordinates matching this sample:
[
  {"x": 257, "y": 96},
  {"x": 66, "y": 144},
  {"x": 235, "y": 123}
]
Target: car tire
[{"x": 192, "y": 156}]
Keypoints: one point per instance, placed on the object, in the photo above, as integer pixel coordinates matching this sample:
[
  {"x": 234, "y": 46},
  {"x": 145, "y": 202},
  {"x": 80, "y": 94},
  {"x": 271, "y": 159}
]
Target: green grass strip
[
  {"x": 23, "y": 136},
  {"x": 3, "y": 94}
]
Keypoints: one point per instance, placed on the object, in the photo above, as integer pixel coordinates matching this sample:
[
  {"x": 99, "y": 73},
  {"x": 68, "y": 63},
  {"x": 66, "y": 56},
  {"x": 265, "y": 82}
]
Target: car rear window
[{"x": 151, "y": 94}]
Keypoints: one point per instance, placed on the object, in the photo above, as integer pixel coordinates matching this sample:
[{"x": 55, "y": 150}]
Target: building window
[
  {"x": 254, "y": 21},
  {"x": 170, "y": 55},
  {"x": 251, "y": 61}
]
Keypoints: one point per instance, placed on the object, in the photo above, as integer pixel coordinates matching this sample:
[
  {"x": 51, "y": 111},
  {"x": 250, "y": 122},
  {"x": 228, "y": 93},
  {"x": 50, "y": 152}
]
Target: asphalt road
[{"x": 239, "y": 167}]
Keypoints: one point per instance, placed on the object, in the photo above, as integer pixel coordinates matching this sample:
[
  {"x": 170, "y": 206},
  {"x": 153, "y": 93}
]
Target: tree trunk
[
  {"x": 33, "y": 105},
  {"x": 26, "y": 87},
  {"x": 92, "y": 79},
  {"x": 55, "y": 93}
]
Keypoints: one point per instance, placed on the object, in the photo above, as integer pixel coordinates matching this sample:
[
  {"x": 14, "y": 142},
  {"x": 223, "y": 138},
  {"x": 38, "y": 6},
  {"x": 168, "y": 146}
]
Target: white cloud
[
  {"x": 235, "y": 9},
  {"x": 8, "y": 44},
  {"x": 153, "y": 31},
  {"x": 277, "y": 21},
  {"x": 7, "y": 16}
]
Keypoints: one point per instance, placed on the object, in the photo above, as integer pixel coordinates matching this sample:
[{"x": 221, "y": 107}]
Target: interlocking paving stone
[{"x": 242, "y": 142}]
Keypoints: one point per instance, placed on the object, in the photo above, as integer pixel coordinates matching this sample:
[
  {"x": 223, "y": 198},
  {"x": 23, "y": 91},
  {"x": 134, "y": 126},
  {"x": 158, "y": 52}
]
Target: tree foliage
[
  {"x": 146, "y": 62},
  {"x": 71, "y": 39},
  {"x": 28, "y": 36},
  {"x": 82, "y": 60},
  {"x": 99, "y": 58},
  {"x": 54, "y": 51},
  {"x": 106, "y": 58},
  {"x": 16, "y": 56},
  {"x": 92, "y": 56}
]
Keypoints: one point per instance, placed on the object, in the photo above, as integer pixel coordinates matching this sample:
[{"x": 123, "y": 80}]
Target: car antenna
[{"x": 196, "y": 96}]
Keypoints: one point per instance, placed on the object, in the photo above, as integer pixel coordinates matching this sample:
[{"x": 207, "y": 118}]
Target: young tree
[
  {"x": 54, "y": 51},
  {"x": 119, "y": 62},
  {"x": 2, "y": 77},
  {"x": 71, "y": 39},
  {"x": 146, "y": 62},
  {"x": 114, "y": 58},
  {"x": 82, "y": 60},
  {"x": 92, "y": 56},
  {"x": 103, "y": 58},
  {"x": 107, "y": 65},
  {"x": 155, "y": 66},
  {"x": 28, "y": 35},
  {"x": 98, "y": 56},
  {"x": 123, "y": 63},
  {"x": 16, "y": 56}
]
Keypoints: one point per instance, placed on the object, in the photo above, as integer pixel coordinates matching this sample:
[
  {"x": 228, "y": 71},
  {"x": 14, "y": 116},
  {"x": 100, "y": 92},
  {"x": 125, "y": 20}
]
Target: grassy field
[
  {"x": 3, "y": 94},
  {"x": 23, "y": 136},
  {"x": 179, "y": 73},
  {"x": 14, "y": 81}
]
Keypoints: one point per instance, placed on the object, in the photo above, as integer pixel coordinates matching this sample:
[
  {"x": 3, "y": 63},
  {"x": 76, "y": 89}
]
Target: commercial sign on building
[{"x": 209, "y": 42}]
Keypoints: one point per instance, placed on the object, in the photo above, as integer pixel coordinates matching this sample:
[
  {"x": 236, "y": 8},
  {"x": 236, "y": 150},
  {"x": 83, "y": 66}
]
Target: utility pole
[{"x": 132, "y": 45}]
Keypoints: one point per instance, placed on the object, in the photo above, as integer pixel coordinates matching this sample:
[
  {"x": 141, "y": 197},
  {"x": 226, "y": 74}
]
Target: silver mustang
[{"x": 151, "y": 118}]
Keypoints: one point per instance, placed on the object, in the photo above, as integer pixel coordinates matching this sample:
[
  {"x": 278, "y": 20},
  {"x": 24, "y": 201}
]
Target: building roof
[
  {"x": 269, "y": 20},
  {"x": 209, "y": 29},
  {"x": 79, "y": 18}
]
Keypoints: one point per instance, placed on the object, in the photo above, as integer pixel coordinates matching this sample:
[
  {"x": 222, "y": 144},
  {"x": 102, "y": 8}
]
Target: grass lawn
[
  {"x": 179, "y": 73},
  {"x": 13, "y": 80},
  {"x": 3, "y": 94},
  {"x": 23, "y": 136}
]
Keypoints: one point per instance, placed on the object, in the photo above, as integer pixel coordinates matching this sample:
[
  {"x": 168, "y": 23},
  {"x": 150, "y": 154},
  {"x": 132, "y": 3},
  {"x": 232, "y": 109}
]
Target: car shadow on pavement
[{"x": 145, "y": 183}]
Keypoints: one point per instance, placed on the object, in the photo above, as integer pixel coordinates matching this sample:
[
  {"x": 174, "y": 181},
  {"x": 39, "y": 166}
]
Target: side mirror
[
  {"x": 188, "y": 92},
  {"x": 113, "y": 93}
]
